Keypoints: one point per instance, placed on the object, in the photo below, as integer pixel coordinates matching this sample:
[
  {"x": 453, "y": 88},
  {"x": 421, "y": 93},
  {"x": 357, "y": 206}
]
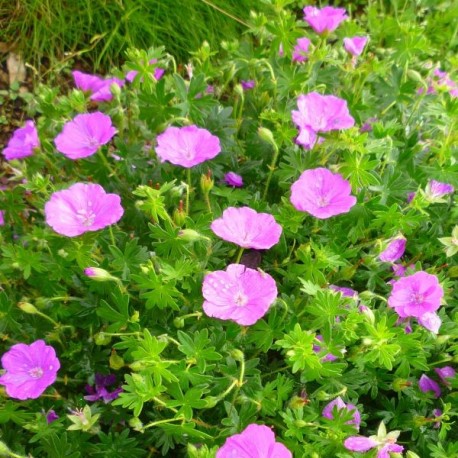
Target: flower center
[
  {"x": 417, "y": 298},
  {"x": 322, "y": 202},
  {"x": 240, "y": 299},
  {"x": 86, "y": 217},
  {"x": 36, "y": 372},
  {"x": 92, "y": 141}
]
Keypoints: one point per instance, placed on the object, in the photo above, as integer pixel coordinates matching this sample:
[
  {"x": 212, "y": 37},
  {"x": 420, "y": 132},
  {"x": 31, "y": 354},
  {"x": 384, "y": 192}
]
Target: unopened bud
[
  {"x": 136, "y": 424},
  {"x": 97, "y": 274},
  {"x": 178, "y": 322},
  {"x": 190, "y": 235},
  {"x": 102, "y": 339},
  {"x": 237, "y": 355},
  {"x": 267, "y": 136},
  {"x": 27, "y": 308},
  {"x": 116, "y": 362},
  {"x": 206, "y": 183}
]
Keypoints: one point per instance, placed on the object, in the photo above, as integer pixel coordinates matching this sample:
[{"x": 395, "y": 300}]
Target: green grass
[{"x": 99, "y": 31}]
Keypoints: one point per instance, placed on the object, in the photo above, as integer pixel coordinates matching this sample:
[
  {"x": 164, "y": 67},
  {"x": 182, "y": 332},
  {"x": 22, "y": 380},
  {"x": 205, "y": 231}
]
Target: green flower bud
[
  {"x": 97, "y": 274},
  {"x": 27, "y": 308}
]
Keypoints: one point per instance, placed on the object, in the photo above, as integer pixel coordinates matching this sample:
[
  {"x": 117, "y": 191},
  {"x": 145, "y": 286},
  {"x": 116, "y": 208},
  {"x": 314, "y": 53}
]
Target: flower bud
[
  {"x": 237, "y": 355},
  {"x": 27, "y": 308},
  {"x": 267, "y": 136},
  {"x": 190, "y": 235},
  {"x": 178, "y": 322},
  {"x": 206, "y": 183},
  {"x": 97, "y": 274},
  {"x": 102, "y": 339},
  {"x": 136, "y": 424},
  {"x": 116, "y": 362}
]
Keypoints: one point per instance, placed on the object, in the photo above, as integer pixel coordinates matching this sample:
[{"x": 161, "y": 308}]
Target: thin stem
[
  {"x": 188, "y": 190},
  {"x": 208, "y": 203},
  {"x": 271, "y": 170},
  {"x": 239, "y": 255},
  {"x": 161, "y": 422},
  {"x": 112, "y": 238},
  {"x": 55, "y": 323}
]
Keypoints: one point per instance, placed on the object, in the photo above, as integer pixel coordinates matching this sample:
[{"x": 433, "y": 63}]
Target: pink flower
[
  {"x": 247, "y": 228},
  {"x": 359, "y": 443},
  {"x": 323, "y": 20},
  {"x": 328, "y": 411},
  {"x": 232, "y": 179},
  {"x": 51, "y": 416},
  {"x": 355, "y": 45},
  {"x": 416, "y": 294},
  {"x": 2, "y": 217},
  {"x": 394, "y": 250},
  {"x": 30, "y": 369},
  {"x": 158, "y": 72},
  {"x": 346, "y": 292},
  {"x": 22, "y": 143},
  {"x": 100, "y": 87},
  {"x": 301, "y": 50},
  {"x": 445, "y": 373},
  {"x": 431, "y": 321},
  {"x": 248, "y": 84},
  {"x": 84, "y": 135},
  {"x": 187, "y": 146},
  {"x": 427, "y": 384},
  {"x": 82, "y": 208},
  {"x": 255, "y": 441},
  {"x": 322, "y": 193},
  {"x": 436, "y": 189},
  {"x": 239, "y": 294}
]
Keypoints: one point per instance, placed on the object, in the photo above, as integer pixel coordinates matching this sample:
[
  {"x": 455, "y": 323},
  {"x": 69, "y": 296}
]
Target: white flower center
[
  {"x": 92, "y": 141},
  {"x": 240, "y": 299},
  {"x": 322, "y": 202},
  {"x": 417, "y": 298},
  {"x": 86, "y": 216},
  {"x": 36, "y": 372}
]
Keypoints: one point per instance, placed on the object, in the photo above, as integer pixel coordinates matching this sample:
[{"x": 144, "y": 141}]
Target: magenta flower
[
  {"x": 158, "y": 72},
  {"x": 328, "y": 357},
  {"x": 323, "y": 20},
  {"x": 51, "y": 416},
  {"x": 239, "y": 294},
  {"x": 416, "y": 294},
  {"x": 394, "y": 250},
  {"x": 445, "y": 373},
  {"x": 301, "y": 50},
  {"x": 22, "y": 143},
  {"x": 84, "y": 135},
  {"x": 431, "y": 321},
  {"x": 255, "y": 441},
  {"x": 322, "y": 193},
  {"x": 187, "y": 146},
  {"x": 2, "y": 217},
  {"x": 99, "y": 87},
  {"x": 355, "y": 45},
  {"x": 436, "y": 189},
  {"x": 427, "y": 384},
  {"x": 100, "y": 390},
  {"x": 346, "y": 292},
  {"x": 248, "y": 84},
  {"x": 232, "y": 179},
  {"x": 385, "y": 445},
  {"x": 328, "y": 411},
  {"x": 359, "y": 443},
  {"x": 30, "y": 369},
  {"x": 322, "y": 113},
  {"x": 247, "y": 228},
  {"x": 82, "y": 208}
]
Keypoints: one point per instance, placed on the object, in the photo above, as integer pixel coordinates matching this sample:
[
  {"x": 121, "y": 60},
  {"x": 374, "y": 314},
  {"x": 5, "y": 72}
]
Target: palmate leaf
[{"x": 129, "y": 259}]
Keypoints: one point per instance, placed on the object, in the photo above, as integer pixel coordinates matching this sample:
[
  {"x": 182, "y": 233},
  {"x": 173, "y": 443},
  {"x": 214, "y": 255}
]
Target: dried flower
[
  {"x": 323, "y": 20},
  {"x": 82, "y": 208},
  {"x": 84, "y": 135},
  {"x": 247, "y": 228},
  {"x": 239, "y": 294},
  {"x": 187, "y": 146},
  {"x": 416, "y": 294},
  {"x": 30, "y": 369},
  {"x": 255, "y": 441},
  {"x": 322, "y": 193},
  {"x": 22, "y": 143}
]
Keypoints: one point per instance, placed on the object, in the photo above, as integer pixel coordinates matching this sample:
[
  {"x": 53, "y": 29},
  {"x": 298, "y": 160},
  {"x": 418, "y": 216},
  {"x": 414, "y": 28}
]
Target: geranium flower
[
  {"x": 346, "y": 292},
  {"x": 323, "y": 20},
  {"x": 301, "y": 50},
  {"x": 431, "y": 321},
  {"x": 340, "y": 404},
  {"x": 355, "y": 45},
  {"x": 328, "y": 357},
  {"x": 247, "y": 228},
  {"x": 322, "y": 193},
  {"x": 255, "y": 441},
  {"x": 320, "y": 113},
  {"x": 2, "y": 217},
  {"x": 100, "y": 87},
  {"x": 30, "y": 369},
  {"x": 427, "y": 384},
  {"x": 51, "y": 416},
  {"x": 445, "y": 373},
  {"x": 239, "y": 294},
  {"x": 232, "y": 179},
  {"x": 435, "y": 190},
  {"x": 84, "y": 135},
  {"x": 100, "y": 390},
  {"x": 23, "y": 142},
  {"x": 82, "y": 208},
  {"x": 416, "y": 294},
  {"x": 248, "y": 84},
  {"x": 394, "y": 250},
  {"x": 158, "y": 72},
  {"x": 187, "y": 146}
]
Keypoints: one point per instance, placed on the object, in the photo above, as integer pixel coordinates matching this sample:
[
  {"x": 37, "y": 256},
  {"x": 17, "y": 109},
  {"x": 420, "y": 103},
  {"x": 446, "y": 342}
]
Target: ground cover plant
[{"x": 253, "y": 257}]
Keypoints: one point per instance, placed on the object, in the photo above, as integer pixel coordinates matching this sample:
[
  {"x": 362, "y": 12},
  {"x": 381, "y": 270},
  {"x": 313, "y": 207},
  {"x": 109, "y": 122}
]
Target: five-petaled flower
[
  {"x": 394, "y": 250},
  {"x": 187, "y": 146},
  {"x": 324, "y": 20},
  {"x": 84, "y": 135},
  {"x": 247, "y": 228},
  {"x": 23, "y": 142},
  {"x": 339, "y": 404},
  {"x": 82, "y": 208},
  {"x": 30, "y": 369},
  {"x": 301, "y": 50},
  {"x": 355, "y": 45},
  {"x": 99, "y": 87},
  {"x": 322, "y": 193},
  {"x": 255, "y": 441},
  {"x": 239, "y": 294}
]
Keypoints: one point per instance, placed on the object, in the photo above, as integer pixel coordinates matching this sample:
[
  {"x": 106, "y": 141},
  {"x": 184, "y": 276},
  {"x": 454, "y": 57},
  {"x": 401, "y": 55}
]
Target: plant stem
[
  {"x": 161, "y": 422},
  {"x": 239, "y": 255},
  {"x": 271, "y": 170},
  {"x": 188, "y": 190}
]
